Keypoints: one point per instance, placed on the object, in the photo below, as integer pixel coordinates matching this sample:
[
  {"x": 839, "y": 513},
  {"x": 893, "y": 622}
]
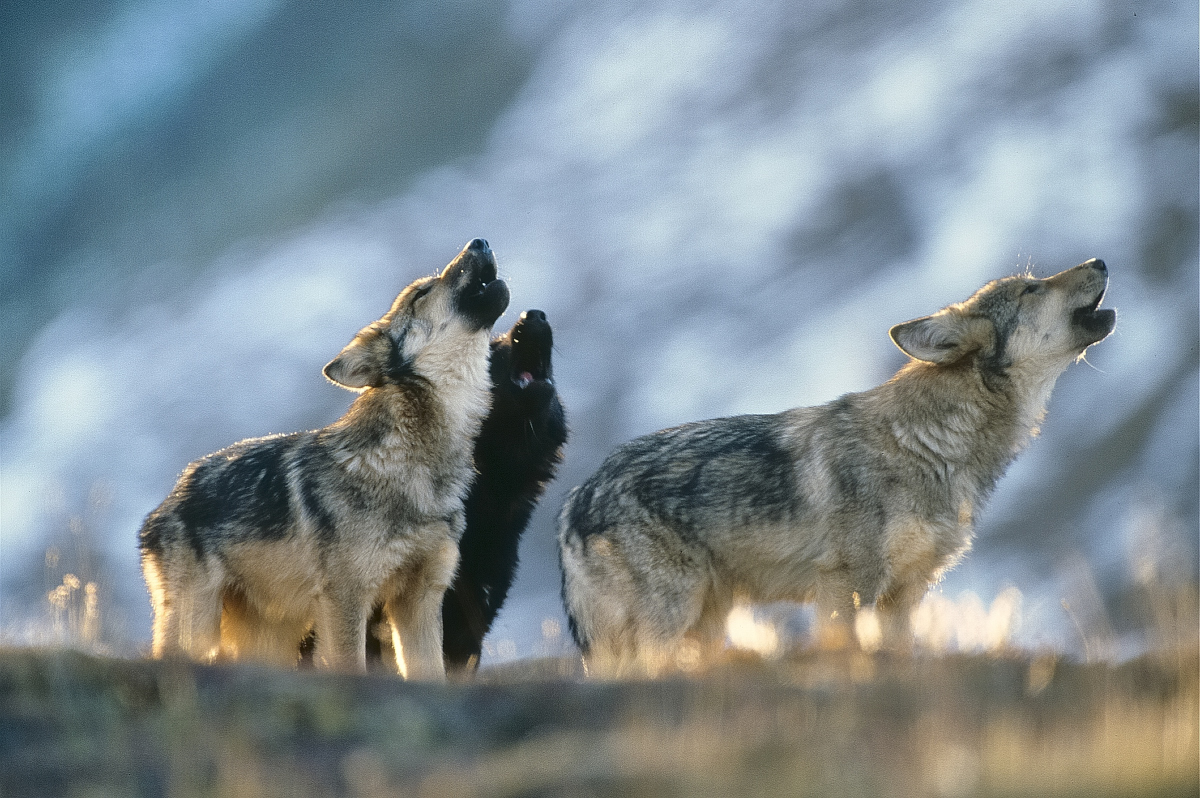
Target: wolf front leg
[
  {"x": 414, "y": 609},
  {"x": 341, "y": 639},
  {"x": 895, "y": 613},
  {"x": 837, "y": 606}
]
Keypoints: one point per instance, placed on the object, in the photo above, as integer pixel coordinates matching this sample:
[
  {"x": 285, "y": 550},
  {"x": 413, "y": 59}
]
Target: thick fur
[
  {"x": 863, "y": 501},
  {"x": 271, "y": 537},
  {"x": 516, "y": 455}
]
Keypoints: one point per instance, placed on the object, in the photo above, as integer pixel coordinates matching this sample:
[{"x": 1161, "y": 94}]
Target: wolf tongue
[{"x": 524, "y": 378}]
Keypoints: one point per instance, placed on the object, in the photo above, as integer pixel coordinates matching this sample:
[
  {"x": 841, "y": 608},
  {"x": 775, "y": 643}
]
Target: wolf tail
[
  {"x": 569, "y": 553},
  {"x": 572, "y": 624}
]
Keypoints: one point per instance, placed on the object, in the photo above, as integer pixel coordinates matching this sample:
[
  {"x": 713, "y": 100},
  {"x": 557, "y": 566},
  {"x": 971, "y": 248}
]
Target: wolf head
[
  {"x": 1017, "y": 323},
  {"x": 520, "y": 362},
  {"x": 429, "y": 327}
]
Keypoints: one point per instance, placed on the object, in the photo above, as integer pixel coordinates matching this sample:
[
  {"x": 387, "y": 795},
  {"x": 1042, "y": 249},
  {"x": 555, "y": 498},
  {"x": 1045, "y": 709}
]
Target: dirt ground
[{"x": 820, "y": 724}]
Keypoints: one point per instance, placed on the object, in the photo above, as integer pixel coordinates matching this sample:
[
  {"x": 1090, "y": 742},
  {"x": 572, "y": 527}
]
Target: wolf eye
[
  {"x": 422, "y": 291},
  {"x": 1032, "y": 288}
]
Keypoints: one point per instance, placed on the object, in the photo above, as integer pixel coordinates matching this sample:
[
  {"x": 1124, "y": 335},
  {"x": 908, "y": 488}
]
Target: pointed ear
[
  {"x": 941, "y": 338},
  {"x": 357, "y": 367}
]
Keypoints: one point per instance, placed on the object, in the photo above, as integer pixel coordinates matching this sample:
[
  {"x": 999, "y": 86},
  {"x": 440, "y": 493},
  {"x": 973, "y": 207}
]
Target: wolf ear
[
  {"x": 357, "y": 366},
  {"x": 941, "y": 338}
]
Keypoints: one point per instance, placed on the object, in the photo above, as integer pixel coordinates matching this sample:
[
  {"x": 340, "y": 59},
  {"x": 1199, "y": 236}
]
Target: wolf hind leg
[
  {"x": 706, "y": 637},
  {"x": 685, "y": 631},
  {"x": 248, "y": 634},
  {"x": 600, "y": 593},
  {"x": 193, "y": 625},
  {"x": 638, "y": 595},
  {"x": 186, "y": 598}
]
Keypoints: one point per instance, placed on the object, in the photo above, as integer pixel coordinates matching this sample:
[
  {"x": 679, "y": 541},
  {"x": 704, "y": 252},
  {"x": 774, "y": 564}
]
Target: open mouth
[
  {"x": 528, "y": 377},
  {"x": 532, "y": 342},
  {"x": 529, "y": 366},
  {"x": 485, "y": 274},
  {"x": 484, "y": 296},
  {"x": 1096, "y": 322}
]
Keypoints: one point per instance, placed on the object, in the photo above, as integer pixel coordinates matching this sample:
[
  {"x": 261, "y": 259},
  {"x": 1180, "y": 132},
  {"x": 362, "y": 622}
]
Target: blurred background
[{"x": 721, "y": 206}]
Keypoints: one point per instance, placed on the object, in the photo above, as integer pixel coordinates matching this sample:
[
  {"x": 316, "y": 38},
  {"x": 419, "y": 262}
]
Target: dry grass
[
  {"x": 969, "y": 715},
  {"x": 806, "y": 723}
]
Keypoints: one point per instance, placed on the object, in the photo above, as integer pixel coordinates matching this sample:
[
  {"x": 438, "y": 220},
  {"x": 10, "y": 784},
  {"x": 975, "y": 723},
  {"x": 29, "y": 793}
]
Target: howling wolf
[
  {"x": 863, "y": 501},
  {"x": 517, "y": 452},
  {"x": 271, "y": 537}
]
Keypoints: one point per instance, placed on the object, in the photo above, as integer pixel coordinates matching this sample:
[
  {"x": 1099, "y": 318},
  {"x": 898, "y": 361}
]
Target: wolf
[
  {"x": 864, "y": 501},
  {"x": 517, "y": 453},
  {"x": 270, "y": 537}
]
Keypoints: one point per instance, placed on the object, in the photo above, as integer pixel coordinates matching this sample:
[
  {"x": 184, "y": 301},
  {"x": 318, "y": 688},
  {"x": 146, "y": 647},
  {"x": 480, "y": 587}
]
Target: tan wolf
[
  {"x": 866, "y": 500},
  {"x": 270, "y": 538}
]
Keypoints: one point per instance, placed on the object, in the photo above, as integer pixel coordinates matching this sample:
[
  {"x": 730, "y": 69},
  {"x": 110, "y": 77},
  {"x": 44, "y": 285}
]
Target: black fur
[{"x": 517, "y": 453}]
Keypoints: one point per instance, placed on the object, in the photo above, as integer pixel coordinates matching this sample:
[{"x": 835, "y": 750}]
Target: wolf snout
[
  {"x": 1093, "y": 322},
  {"x": 481, "y": 295},
  {"x": 476, "y": 262},
  {"x": 532, "y": 335},
  {"x": 533, "y": 324},
  {"x": 478, "y": 252},
  {"x": 532, "y": 341}
]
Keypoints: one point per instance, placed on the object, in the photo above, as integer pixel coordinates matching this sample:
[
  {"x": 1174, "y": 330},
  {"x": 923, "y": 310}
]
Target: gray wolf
[
  {"x": 864, "y": 501},
  {"x": 517, "y": 453},
  {"x": 271, "y": 537}
]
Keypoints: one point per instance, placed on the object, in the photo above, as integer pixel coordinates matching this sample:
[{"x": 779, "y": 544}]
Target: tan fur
[
  {"x": 865, "y": 501},
  {"x": 264, "y": 541}
]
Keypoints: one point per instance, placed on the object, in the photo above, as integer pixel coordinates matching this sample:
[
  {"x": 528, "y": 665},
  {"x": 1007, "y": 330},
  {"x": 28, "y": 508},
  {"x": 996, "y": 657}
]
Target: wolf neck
[
  {"x": 423, "y": 428},
  {"x": 961, "y": 431},
  {"x": 458, "y": 382}
]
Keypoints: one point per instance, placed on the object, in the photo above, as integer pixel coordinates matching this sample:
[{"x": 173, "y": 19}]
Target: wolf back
[
  {"x": 863, "y": 501},
  {"x": 270, "y": 537}
]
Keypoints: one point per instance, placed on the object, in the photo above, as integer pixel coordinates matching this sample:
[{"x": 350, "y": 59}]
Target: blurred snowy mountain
[{"x": 722, "y": 208}]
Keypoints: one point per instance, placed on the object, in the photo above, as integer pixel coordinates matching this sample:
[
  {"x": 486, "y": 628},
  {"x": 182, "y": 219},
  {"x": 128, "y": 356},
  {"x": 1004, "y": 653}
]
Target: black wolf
[{"x": 516, "y": 454}]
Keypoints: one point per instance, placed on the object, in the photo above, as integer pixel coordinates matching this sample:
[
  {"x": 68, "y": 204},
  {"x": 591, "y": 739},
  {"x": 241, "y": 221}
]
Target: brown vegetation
[{"x": 810, "y": 723}]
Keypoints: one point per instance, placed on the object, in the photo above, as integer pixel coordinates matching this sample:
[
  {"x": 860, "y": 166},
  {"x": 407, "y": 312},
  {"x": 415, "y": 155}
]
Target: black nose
[
  {"x": 533, "y": 314},
  {"x": 479, "y": 244},
  {"x": 1097, "y": 264}
]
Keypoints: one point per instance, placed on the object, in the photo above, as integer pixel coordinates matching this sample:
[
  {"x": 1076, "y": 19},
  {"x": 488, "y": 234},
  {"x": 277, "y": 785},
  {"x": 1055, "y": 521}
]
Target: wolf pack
[{"x": 390, "y": 537}]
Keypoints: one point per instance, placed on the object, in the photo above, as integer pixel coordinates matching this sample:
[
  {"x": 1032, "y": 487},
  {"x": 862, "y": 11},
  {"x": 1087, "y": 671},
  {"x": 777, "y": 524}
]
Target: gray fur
[
  {"x": 866, "y": 500},
  {"x": 271, "y": 537}
]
